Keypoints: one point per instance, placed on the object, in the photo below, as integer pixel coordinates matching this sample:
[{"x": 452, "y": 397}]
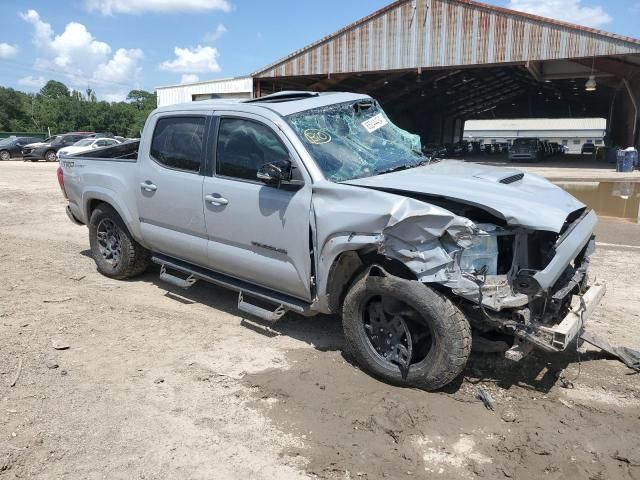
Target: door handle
[
  {"x": 218, "y": 201},
  {"x": 148, "y": 186}
]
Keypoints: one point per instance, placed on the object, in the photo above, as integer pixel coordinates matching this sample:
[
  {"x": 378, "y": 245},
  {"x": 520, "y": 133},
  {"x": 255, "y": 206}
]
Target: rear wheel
[
  {"x": 50, "y": 156},
  {"x": 404, "y": 332},
  {"x": 4, "y": 155},
  {"x": 115, "y": 251}
]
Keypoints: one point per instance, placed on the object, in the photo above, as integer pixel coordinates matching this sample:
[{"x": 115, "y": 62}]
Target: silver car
[{"x": 316, "y": 204}]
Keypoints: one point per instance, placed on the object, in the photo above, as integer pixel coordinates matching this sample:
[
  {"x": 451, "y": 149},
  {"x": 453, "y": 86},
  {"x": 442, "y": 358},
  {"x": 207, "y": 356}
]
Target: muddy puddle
[{"x": 609, "y": 199}]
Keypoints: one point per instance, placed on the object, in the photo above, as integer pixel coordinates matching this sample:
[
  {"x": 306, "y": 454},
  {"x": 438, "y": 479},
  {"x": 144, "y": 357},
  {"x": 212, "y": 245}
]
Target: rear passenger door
[
  {"x": 169, "y": 186},
  {"x": 257, "y": 233}
]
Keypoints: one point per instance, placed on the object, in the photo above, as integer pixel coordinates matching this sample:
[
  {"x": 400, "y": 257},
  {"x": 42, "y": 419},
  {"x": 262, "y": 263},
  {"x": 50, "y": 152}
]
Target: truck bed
[{"x": 123, "y": 151}]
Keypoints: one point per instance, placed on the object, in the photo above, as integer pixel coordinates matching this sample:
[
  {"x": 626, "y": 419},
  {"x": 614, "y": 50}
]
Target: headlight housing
[{"x": 482, "y": 255}]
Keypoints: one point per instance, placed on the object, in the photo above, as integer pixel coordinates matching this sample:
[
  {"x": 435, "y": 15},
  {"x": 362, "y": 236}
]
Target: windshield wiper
[
  {"x": 424, "y": 161},
  {"x": 394, "y": 169}
]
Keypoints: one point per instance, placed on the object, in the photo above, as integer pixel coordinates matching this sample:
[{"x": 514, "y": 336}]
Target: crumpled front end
[{"x": 528, "y": 283}]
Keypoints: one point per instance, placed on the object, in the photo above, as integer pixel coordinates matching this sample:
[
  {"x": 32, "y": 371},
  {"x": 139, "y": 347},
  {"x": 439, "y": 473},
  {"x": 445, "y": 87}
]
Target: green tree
[
  {"x": 142, "y": 99},
  {"x": 54, "y": 89},
  {"x": 62, "y": 110}
]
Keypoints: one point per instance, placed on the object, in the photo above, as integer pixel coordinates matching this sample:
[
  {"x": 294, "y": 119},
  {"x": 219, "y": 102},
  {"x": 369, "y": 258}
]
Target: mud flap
[{"x": 628, "y": 356}]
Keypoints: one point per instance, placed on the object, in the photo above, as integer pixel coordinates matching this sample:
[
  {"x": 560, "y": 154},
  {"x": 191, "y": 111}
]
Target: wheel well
[
  {"x": 350, "y": 264},
  {"x": 92, "y": 205}
]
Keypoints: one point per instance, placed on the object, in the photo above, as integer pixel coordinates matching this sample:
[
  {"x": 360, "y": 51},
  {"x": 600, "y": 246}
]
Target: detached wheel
[
  {"x": 404, "y": 332},
  {"x": 4, "y": 155},
  {"x": 50, "y": 156},
  {"x": 114, "y": 250}
]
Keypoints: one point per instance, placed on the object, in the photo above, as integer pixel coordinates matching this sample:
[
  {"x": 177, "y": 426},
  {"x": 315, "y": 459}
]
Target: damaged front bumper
[{"x": 556, "y": 338}]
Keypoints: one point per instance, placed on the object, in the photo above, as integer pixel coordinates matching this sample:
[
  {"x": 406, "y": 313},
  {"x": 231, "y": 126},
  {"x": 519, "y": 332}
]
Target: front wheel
[
  {"x": 50, "y": 156},
  {"x": 4, "y": 155},
  {"x": 115, "y": 251},
  {"x": 404, "y": 332}
]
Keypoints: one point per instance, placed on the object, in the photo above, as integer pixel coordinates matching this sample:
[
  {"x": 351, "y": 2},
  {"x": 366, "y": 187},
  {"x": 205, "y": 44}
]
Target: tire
[
  {"x": 4, "y": 155},
  {"x": 50, "y": 156},
  {"x": 132, "y": 259},
  {"x": 447, "y": 347}
]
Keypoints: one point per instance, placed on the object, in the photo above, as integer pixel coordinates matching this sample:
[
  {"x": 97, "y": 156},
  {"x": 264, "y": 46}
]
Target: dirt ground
[{"x": 158, "y": 383}]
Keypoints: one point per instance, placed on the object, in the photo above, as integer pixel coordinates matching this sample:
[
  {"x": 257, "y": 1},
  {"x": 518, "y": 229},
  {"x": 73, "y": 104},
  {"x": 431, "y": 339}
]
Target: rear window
[
  {"x": 178, "y": 142},
  {"x": 525, "y": 142}
]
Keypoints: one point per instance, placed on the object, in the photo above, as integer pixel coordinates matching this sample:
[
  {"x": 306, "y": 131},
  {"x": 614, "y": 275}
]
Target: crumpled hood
[
  {"x": 529, "y": 200},
  {"x": 38, "y": 144}
]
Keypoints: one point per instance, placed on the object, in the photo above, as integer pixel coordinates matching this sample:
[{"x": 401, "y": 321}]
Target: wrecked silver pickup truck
[{"x": 317, "y": 203}]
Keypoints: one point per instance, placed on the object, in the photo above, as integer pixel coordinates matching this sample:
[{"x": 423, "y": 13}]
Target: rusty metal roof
[{"x": 411, "y": 34}]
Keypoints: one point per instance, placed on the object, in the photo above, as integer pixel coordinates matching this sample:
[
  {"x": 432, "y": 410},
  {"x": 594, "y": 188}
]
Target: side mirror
[{"x": 274, "y": 173}]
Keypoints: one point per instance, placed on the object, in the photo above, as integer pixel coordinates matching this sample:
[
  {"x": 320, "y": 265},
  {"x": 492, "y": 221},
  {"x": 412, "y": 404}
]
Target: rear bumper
[{"x": 71, "y": 216}]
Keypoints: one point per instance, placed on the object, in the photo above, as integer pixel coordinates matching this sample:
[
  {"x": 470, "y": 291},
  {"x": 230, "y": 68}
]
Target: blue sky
[{"x": 118, "y": 45}]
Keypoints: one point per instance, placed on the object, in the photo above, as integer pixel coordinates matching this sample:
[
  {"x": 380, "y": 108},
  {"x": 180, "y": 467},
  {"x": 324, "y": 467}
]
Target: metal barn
[{"x": 435, "y": 63}]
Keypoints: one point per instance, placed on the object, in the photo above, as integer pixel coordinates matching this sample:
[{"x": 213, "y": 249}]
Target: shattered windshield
[{"x": 356, "y": 139}]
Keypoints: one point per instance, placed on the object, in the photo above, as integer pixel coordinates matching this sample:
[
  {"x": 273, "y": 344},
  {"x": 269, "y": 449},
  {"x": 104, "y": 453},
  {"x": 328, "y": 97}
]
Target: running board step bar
[
  {"x": 284, "y": 301},
  {"x": 176, "y": 281},
  {"x": 263, "y": 313}
]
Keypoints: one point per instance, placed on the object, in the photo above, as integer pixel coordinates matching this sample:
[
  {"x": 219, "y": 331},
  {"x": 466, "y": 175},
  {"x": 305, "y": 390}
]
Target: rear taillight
[{"x": 60, "y": 174}]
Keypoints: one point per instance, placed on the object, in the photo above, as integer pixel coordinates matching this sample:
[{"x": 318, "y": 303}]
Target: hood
[
  {"x": 521, "y": 199},
  {"x": 38, "y": 144}
]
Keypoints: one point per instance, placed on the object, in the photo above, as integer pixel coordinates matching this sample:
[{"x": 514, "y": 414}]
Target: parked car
[
  {"x": 489, "y": 148},
  {"x": 434, "y": 151},
  {"x": 526, "y": 149},
  {"x": 316, "y": 203},
  {"x": 87, "y": 144},
  {"x": 12, "y": 147},
  {"x": 48, "y": 149},
  {"x": 556, "y": 148},
  {"x": 503, "y": 147},
  {"x": 588, "y": 149},
  {"x": 454, "y": 149}
]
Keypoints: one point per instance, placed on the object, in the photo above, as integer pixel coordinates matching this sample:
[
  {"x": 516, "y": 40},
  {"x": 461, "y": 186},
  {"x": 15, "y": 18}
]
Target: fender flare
[{"x": 108, "y": 196}]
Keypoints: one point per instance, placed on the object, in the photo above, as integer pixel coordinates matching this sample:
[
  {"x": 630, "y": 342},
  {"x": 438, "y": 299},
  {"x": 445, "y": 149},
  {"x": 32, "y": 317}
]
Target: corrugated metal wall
[
  {"x": 445, "y": 33},
  {"x": 232, "y": 88}
]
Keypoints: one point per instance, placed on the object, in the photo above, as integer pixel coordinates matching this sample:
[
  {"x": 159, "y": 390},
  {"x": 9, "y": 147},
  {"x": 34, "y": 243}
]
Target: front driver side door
[{"x": 257, "y": 233}]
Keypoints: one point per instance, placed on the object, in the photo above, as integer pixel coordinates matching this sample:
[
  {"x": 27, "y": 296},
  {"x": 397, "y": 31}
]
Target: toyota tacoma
[{"x": 318, "y": 204}]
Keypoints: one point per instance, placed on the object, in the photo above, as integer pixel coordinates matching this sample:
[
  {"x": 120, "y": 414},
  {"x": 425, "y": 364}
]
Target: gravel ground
[{"x": 138, "y": 380}]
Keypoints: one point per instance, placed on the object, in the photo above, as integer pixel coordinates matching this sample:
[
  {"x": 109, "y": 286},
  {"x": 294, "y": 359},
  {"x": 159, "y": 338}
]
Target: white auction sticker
[{"x": 374, "y": 123}]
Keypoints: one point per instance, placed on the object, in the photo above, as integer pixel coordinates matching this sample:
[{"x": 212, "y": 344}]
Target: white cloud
[
  {"x": 109, "y": 7},
  {"x": 189, "y": 60},
  {"x": 81, "y": 58},
  {"x": 8, "y": 51},
  {"x": 32, "y": 83},
  {"x": 189, "y": 78},
  {"x": 122, "y": 67},
  {"x": 572, "y": 11},
  {"x": 119, "y": 96},
  {"x": 216, "y": 34}
]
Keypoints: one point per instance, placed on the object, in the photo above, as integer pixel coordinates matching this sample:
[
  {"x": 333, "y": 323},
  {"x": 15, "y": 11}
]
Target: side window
[
  {"x": 101, "y": 143},
  {"x": 244, "y": 146},
  {"x": 178, "y": 142}
]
